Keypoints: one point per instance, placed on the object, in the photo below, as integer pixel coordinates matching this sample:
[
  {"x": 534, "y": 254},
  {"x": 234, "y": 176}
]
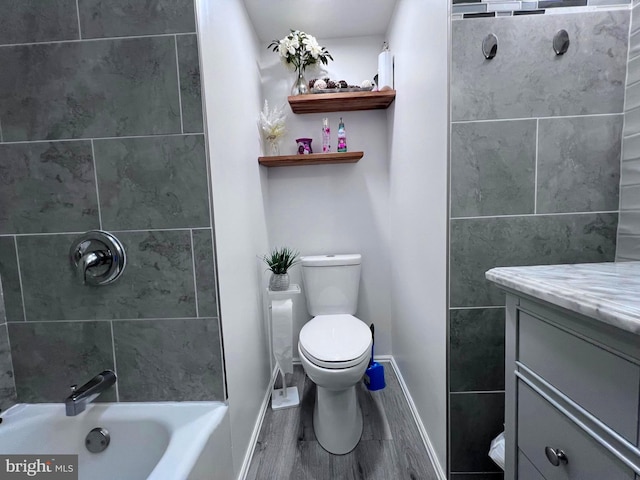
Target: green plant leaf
[{"x": 280, "y": 260}]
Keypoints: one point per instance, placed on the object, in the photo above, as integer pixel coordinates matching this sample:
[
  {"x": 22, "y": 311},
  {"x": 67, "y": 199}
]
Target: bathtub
[{"x": 154, "y": 441}]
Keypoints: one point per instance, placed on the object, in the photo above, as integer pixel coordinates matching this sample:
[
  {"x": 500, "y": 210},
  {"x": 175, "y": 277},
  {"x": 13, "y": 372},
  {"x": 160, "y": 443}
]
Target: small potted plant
[{"x": 279, "y": 261}]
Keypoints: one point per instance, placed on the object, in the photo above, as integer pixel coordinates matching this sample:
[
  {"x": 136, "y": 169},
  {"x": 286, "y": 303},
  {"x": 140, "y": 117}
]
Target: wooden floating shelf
[
  {"x": 310, "y": 159},
  {"x": 341, "y": 102}
]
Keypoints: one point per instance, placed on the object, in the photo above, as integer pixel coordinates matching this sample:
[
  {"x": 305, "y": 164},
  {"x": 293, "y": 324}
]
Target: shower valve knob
[{"x": 97, "y": 257}]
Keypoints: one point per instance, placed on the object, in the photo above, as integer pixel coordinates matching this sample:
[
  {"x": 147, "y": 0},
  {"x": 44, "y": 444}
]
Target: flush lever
[{"x": 97, "y": 257}]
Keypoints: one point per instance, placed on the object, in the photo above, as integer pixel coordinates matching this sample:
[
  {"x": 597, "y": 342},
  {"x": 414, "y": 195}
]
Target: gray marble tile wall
[
  {"x": 628, "y": 246},
  {"x": 535, "y": 173},
  {"x": 101, "y": 128}
]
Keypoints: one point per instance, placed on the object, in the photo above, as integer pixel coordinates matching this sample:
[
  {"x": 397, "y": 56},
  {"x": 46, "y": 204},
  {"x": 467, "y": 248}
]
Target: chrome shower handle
[
  {"x": 97, "y": 257},
  {"x": 90, "y": 260}
]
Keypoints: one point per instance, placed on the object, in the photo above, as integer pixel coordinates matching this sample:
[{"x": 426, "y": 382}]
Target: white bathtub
[{"x": 154, "y": 441}]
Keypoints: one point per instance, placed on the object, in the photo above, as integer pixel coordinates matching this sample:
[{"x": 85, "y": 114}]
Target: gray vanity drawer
[
  {"x": 601, "y": 382},
  {"x": 541, "y": 425},
  {"x": 526, "y": 470}
]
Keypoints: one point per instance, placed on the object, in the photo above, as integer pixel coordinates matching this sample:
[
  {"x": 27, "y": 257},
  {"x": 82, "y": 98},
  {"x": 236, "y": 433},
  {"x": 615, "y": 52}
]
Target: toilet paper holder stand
[{"x": 285, "y": 397}]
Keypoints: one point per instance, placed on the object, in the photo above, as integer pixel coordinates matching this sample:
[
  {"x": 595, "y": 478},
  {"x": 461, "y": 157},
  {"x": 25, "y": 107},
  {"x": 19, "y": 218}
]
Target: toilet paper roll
[
  {"x": 385, "y": 69},
  {"x": 281, "y": 333}
]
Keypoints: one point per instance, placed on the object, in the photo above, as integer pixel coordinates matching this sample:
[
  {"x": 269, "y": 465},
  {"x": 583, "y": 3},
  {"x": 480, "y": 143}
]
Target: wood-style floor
[{"x": 390, "y": 449}]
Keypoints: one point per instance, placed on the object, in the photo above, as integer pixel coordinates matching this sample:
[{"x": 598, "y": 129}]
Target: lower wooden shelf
[{"x": 311, "y": 159}]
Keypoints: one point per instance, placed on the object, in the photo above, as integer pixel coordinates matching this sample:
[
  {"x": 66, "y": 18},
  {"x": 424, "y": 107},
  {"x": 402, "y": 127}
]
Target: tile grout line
[
  {"x": 1, "y": 134},
  {"x": 632, "y": 136},
  {"x": 497, "y": 474},
  {"x": 517, "y": 119},
  {"x": 95, "y": 176},
  {"x": 475, "y": 392},
  {"x": 195, "y": 281},
  {"x": 24, "y": 308},
  {"x": 554, "y": 214},
  {"x": 632, "y": 108},
  {"x": 115, "y": 365},
  {"x": 102, "y": 39},
  {"x": 86, "y": 320},
  {"x": 477, "y": 308},
  {"x": 78, "y": 14},
  {"x": 148, "y": 230},
  {"x": 175, "y": 38},
  {"x": 124, "y": 137},
  {"x": 634, "y": 83},
  {"x": 535, "y": 176},
  {"x": 449, "y": 208}
]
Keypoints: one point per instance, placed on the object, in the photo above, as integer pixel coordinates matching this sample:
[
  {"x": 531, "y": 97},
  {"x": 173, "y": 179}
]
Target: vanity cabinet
[{"x": 572, "y": 394}]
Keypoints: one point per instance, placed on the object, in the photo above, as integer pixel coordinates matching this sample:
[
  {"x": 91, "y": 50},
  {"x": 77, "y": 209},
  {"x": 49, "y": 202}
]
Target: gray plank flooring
[{"x": 390, "y": 448}]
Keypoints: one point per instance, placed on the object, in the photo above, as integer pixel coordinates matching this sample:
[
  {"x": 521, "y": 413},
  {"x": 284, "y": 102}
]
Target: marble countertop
[{"x": 609, "y": 292}]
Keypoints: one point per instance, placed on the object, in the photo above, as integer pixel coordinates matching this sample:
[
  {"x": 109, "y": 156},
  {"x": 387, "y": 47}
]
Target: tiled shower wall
[
  {"x": 535, "y": 161},
  {"x": 101, "y": 128},
  {"x": 628, "y": 247}
]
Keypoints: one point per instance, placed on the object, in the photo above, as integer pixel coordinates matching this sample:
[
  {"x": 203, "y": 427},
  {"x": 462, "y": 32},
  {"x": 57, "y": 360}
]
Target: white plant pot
[{"x": 279, "y": 282}]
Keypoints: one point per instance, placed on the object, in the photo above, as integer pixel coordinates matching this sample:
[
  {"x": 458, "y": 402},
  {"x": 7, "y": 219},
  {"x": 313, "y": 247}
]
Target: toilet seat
[{"x": 335, "y": 341}]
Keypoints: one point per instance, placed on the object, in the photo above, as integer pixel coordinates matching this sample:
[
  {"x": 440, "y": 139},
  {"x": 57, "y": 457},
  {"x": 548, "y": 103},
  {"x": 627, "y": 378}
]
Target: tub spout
[{"x": 87, "y": 393}]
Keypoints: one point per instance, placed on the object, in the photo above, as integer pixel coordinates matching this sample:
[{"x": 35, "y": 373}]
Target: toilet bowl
[
  {"x": 335, "y": 351},
  {"x": 334, "y": 348}
]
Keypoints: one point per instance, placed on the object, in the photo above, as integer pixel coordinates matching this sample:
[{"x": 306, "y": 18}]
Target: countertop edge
[{"x": 576, "y": 300}]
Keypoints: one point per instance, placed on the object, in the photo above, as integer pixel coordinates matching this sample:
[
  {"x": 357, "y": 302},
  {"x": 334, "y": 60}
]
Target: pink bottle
[{"x": 326, "y": 136}]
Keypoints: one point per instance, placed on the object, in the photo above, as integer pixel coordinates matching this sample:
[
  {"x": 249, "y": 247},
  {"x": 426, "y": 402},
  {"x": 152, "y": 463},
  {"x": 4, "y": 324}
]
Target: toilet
[{"x": 334, "y": 348}]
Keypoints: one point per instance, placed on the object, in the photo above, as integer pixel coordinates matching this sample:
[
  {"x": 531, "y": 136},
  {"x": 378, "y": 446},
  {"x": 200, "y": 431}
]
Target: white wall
[
  {"x": 389, "y": 206},
  {"x": 336, "y": 208},
  {"x": 231, "y": 86},
  {"x": 418, "y": 124}
]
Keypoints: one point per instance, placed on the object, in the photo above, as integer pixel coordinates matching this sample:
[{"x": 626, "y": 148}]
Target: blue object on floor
[{"x": 374, "y": 375}]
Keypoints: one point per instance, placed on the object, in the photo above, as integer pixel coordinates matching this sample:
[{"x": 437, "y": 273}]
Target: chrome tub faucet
[{"x": 87, "y": 393}]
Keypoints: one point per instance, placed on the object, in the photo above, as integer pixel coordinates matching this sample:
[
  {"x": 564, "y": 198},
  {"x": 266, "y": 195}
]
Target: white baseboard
[
  {"x": 416, "y": 417},
  {"x": 412, "y": 406},
  {"x": 256, "y": 429}
]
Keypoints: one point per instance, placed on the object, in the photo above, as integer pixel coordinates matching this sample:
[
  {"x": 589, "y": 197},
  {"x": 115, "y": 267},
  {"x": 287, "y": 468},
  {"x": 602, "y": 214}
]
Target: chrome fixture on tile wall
[
  {"x": 490, "y": 46},
  {"x": 560, "y": 44},
  {"x": 97, "y": 257}
]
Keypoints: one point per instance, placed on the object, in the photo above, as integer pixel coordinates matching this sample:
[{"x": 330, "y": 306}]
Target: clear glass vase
[
  {"x": 272, "y": 147},
  {"x": 300, "y": 86}
]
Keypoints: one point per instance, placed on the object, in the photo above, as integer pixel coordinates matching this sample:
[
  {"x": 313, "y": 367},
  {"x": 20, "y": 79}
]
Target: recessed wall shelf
[
  {"x": 311, "y": 159},
  {"x": 341, "y": 102}
]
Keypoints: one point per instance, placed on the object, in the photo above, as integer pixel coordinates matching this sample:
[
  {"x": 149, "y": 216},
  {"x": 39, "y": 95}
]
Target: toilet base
[{"x": 337, "y": 419}]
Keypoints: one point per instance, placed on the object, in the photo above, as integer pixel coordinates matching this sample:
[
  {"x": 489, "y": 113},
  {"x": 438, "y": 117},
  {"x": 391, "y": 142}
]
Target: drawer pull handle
[{"x": 556, "y": 456}]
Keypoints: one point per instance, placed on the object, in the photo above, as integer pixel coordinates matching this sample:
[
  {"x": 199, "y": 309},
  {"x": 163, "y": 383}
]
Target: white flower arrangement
[
  {"x": 272, "y": 126},
  {"x": 299, "y": 50}
]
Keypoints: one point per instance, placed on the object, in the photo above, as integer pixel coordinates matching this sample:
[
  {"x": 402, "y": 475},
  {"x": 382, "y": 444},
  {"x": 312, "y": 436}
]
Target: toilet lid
[{"x": 335, "y": 340}]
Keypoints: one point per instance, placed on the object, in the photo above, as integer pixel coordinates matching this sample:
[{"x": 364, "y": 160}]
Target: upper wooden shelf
[
  {"x": 310, "y": 159},
  {"x": 341, "y": 102}
]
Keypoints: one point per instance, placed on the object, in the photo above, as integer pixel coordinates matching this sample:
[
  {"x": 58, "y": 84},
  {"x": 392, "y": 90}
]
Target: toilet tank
[{"x": 331, "y": 283}]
